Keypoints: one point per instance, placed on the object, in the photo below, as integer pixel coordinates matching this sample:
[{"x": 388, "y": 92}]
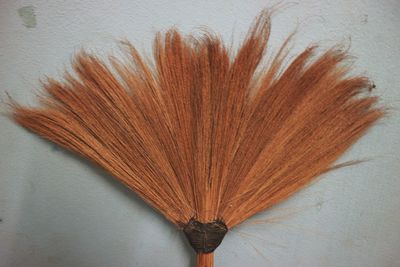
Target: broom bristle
[{"x": 199, "y": 134}]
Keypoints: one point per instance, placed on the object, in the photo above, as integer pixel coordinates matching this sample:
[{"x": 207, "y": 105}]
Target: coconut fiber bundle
[{"x": 206, "y": 134}]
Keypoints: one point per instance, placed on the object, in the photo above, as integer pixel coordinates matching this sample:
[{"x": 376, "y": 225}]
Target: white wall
[{"x": 58, "y": 210}]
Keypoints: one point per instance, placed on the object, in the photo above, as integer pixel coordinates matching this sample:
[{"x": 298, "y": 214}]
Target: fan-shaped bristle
[{"x": 205, "y": 133}]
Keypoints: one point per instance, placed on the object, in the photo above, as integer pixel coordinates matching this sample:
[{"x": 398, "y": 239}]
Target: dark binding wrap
[{"x": 205, "y": 237}]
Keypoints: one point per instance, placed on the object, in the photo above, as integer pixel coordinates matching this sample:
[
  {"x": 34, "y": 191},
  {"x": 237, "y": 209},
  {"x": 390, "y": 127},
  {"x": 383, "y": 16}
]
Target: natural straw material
[{"x": 204, "y": 133}]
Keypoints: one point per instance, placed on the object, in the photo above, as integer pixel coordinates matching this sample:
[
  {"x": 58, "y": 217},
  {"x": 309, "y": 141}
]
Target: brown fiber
[{"x": 202, "y": 132}]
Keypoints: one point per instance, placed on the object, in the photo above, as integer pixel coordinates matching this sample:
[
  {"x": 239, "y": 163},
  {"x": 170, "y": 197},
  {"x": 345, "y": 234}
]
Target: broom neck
[{"x": 205, "y": 259}]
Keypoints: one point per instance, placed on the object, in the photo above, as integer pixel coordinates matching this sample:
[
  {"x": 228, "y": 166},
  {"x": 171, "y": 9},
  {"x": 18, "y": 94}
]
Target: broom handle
[{"x": 205, "y": 260}]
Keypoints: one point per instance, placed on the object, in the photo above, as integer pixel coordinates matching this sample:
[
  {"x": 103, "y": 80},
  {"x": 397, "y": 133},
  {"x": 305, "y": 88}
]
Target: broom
[{"x": 206, "y": 136}]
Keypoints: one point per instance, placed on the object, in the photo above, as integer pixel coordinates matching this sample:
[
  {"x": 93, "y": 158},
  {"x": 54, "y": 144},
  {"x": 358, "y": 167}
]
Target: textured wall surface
[{"x": 58, "y": 210}]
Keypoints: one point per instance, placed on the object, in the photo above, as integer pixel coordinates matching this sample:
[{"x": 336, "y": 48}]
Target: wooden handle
[{"x": 205, "y": 260}]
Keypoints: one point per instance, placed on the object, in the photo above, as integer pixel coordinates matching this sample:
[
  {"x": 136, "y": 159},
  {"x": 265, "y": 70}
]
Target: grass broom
[{"x": 206, "y": 136}]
